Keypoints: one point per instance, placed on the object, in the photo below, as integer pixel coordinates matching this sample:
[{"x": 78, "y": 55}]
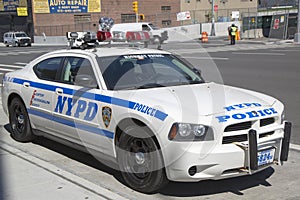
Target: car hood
[{"x": 200, "y": 99}]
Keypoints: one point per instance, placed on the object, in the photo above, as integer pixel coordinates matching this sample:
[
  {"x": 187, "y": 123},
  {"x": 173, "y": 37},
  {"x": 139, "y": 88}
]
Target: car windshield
[
  {"x": 153, "y": 27},
  {"x": 147, "y": 71},
  {"x": 21, "y": 35}
]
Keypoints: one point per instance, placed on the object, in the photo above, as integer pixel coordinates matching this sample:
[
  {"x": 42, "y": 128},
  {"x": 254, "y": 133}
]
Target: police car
[{"x": 149, "y": 111}]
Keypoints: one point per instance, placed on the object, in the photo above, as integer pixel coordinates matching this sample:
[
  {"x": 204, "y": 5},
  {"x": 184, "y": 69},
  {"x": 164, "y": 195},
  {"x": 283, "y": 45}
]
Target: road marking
[
  {"x": 5, "y": 69},
  {"x": 11, "y": 66},
  {"x": 20, "y": 63},
  {"x": 287, "y": 50},
  {"x": 1, "y": 73},
  {"x": 206, "y": 58},
  {"x": 295, "y": 147},
  {"x": 263, "y": 54}
]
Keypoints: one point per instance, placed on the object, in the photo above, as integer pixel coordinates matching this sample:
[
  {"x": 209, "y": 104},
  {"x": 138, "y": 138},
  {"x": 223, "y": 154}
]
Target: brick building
[{"x": 60, "y": 16}]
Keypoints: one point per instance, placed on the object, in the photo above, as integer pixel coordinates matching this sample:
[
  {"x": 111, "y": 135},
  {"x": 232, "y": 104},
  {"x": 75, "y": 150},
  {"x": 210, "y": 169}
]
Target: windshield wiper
[{"x": 149, "y": 85}]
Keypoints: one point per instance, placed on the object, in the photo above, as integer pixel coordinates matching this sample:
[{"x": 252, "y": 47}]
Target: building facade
[
  {"x": 59, "y": 16},
  {"x": 201, "y": 10}
]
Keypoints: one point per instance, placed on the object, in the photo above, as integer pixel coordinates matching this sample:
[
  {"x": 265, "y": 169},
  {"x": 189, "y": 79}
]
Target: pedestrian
[{"x": 233, "y": 30}]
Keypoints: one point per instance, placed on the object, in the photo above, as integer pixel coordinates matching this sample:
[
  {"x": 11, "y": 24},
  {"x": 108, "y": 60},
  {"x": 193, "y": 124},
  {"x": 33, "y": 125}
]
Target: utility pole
[
  {"x": 297, "y": 35},
  {"x": 213, "y": 33}
]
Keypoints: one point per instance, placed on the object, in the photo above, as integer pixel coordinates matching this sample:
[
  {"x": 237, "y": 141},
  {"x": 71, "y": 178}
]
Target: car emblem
[{"x": 106, "y": 115}]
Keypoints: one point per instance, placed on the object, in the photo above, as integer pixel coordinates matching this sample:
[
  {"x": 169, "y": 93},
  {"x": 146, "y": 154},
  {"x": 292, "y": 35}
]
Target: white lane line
[
  {"x": 11, "y": 66},
  {"x": 5, "y": 69},
  {"x": 286, "y": 50},
  {"x": 263, "y": 54},
  {"x": 20, "y": 63},
  {"x": 295, "y": 147},
  {"x": 206, "y": 58},
  {"x": 1, "y": 73}
]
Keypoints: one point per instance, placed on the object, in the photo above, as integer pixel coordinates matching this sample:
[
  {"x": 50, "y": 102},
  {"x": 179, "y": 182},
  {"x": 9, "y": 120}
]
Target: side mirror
[
  {"x": 86, "y": 81},
  {"x": 197, "y": 71}
]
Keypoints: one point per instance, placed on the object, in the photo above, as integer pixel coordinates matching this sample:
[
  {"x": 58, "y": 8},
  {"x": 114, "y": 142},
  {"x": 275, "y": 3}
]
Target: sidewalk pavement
[{"x": 25, "y": 177}]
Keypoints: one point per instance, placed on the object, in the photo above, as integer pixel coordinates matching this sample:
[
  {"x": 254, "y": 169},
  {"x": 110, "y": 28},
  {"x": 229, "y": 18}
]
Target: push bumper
[{"x": 230, "y": 160}]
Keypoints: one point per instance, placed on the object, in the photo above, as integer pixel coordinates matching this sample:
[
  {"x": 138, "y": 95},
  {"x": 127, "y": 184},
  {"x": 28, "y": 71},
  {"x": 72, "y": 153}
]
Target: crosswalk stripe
[{"x": 1, "y": 73}]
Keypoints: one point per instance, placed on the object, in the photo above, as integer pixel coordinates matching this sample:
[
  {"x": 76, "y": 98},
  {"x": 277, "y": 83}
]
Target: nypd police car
[{"x": 149, "y": 111}]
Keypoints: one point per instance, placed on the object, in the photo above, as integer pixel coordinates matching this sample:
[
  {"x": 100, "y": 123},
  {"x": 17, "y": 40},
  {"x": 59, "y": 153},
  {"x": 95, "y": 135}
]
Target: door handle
[
  {"x": 26, "y": 84},
  {"x": 59, "y": 91}
]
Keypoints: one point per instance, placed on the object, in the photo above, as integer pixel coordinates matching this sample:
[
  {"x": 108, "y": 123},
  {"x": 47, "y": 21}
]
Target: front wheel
[
  {"x": 19, "y": 121},
  {"x": 140, "y": 160}
]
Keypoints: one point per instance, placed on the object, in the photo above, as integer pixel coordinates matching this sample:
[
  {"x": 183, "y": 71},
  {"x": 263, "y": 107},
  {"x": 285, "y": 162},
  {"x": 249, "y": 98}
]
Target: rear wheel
[
  {"x": 19, "y": 121},
  {"x": 140, "y": 160}
]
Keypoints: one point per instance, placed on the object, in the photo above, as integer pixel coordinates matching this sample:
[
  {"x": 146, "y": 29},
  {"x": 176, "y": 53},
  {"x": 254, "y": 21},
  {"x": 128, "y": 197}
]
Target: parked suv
[{"x": 16, "y": 39}]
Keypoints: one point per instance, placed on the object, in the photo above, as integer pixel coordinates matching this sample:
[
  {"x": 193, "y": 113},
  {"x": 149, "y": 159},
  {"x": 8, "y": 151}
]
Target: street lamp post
[
  {"x": 297, "y": 35},
  {"x": 213, "y": 33}
]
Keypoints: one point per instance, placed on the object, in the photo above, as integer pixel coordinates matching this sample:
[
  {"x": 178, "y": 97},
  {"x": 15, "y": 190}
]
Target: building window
[
  {"x": 82, "y": 18},
  {"x": 166, "y": 8},
  {"x": 166, "y": 23},
  {"x": 198, "y": 0},
  {"x": 127, "y": 18},
  {"x": 187, "y": 1}
]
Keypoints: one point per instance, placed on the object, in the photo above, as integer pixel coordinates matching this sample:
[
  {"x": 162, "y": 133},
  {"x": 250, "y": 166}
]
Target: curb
[{"x": 103, "y": 193}]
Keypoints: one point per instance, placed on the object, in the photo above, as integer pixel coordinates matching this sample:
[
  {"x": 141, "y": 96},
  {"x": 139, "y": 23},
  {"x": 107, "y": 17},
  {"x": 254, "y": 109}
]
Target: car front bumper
[{"x": 219, "y": 161}]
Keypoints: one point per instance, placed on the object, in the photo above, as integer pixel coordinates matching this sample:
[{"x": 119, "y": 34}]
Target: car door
[
  {"x": 77, "y": 112},
  {"x": 40, "y": 92}
]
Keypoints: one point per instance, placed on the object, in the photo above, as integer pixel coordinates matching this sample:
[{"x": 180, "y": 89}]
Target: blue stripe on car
[
  {"x": 72, "y": 123},
  {"x": 102, "y": 98}
]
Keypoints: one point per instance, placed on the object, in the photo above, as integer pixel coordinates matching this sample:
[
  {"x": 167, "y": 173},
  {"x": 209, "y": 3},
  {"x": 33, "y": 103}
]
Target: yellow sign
[
  {"x": 1, "y": 5},
  {"x": 66, "y": 6},
  {"x": 41, "y": 6},
  {"x": 94, "y": 6},
  {"x": 22, "y": 12}
]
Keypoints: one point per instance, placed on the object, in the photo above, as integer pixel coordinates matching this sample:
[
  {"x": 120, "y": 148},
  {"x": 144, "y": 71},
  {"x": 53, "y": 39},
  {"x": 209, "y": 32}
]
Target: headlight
[{"x": 190, "y": 132}]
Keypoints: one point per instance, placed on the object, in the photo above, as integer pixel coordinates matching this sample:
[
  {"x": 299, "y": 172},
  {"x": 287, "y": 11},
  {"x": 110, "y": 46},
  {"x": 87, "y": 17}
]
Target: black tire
[
  {"x": 140, "y": 160},
  {"x": 19, "y": 121}
]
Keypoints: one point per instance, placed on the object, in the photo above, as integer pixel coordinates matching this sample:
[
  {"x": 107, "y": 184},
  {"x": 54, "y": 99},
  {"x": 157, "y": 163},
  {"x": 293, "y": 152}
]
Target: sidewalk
[{"x": 25, "y": 177}]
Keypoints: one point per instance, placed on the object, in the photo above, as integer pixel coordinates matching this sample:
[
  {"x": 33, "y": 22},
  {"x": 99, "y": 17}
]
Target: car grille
[
  {"x": 25, "y": 40},
  {"x": 245, "y": 126}
]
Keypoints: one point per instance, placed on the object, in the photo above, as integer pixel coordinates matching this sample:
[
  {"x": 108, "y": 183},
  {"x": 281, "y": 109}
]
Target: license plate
[{"x": 265, "y": 157}]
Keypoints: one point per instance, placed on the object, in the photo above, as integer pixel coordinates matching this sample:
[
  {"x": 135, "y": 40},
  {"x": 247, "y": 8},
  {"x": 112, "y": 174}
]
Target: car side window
[
  {"x": 79, "y": 71},
  {"x": 47, "y": 69}
]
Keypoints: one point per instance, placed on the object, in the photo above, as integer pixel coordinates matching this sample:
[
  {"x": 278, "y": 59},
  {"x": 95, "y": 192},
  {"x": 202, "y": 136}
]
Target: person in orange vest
[{"x": 233, "y": 31}]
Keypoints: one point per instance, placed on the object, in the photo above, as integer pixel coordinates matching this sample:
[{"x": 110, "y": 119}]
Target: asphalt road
[{"x": 270, "y": 69}]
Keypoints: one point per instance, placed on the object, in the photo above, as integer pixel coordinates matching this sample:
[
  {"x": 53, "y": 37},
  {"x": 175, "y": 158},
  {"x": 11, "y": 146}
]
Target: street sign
[
  {"x": 183, "y": 16},
  {"x": 276, "y": 24},
  {"x": 216, "y": 8}
]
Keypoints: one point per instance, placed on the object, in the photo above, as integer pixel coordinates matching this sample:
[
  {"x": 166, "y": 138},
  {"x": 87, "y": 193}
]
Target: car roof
[{"x": 110, "y": 51}]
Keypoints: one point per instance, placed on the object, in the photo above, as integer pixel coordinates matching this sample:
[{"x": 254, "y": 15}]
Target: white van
[
  {"x": 158, "y": 36},
  {"x": 16, "y": 39}
]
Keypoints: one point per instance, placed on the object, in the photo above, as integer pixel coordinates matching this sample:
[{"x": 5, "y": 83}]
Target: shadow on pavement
[
  {"x": 209, "y": 187},
  {"x": 77, "y": 155},
  {"x": 175, "y": 189}
]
